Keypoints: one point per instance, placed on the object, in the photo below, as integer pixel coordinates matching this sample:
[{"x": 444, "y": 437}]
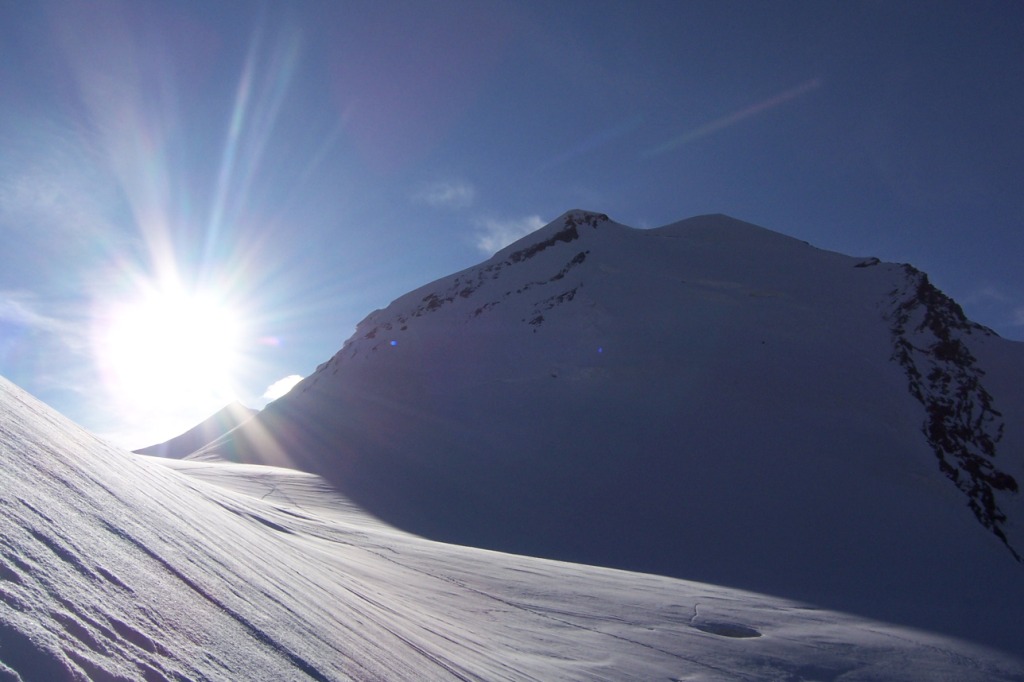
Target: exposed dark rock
[
  {"x": 576, "y": 260},
  {"x": 961, "y": 425},
  {"x": 581, "y": 218},
  {"x": 567, "y": 234}
]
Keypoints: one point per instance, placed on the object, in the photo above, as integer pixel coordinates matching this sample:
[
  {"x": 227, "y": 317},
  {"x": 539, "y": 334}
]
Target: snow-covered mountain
[
  {"x": 819, "y": 453},
  {"x": 708, "y": 400},
  {"x": 116, "y": 566},
  {"x": 210, "y": 429}
]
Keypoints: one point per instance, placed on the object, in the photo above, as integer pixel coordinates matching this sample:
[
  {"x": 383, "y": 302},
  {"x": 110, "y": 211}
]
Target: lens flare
[
  {"x": 169, "y": 346},
  {"x": 179, "y": 322}
]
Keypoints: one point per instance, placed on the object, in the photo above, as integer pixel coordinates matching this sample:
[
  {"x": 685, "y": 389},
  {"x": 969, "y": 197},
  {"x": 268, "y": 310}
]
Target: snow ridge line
[
  {"x": 466, "y": 285},
  {"x": 962, "y": 425}
]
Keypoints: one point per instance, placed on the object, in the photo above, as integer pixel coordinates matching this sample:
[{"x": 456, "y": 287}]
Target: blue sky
[{"x": 294, "y": 166}]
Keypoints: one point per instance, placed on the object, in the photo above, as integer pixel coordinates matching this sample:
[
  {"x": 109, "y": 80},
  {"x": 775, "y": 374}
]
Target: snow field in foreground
[{"x": 115, "y": 566}]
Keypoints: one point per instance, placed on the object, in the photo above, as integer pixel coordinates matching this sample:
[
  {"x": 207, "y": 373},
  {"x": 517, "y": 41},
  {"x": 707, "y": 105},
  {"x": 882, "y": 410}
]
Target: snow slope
[
  {"x": 116, "y": 566},
  {"x": 709, "y": 400}
]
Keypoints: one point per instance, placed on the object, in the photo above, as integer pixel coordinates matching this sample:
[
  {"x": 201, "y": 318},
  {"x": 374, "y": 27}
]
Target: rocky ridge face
[
  {"x": 467, "y": 285},
  {"x": 962, "y": 424}
]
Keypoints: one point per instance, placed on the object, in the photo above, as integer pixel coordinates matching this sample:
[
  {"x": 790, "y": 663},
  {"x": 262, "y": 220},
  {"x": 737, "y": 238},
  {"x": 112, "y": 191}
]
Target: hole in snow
[{"x": 727, "y": 629}]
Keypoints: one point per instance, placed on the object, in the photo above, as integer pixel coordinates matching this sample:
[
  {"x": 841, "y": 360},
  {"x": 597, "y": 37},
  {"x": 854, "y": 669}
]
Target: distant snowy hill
[
  {"x": 116, "y": 566},
  {"x": 211, "y": 428},
  {"x": 708, "y": 400}
]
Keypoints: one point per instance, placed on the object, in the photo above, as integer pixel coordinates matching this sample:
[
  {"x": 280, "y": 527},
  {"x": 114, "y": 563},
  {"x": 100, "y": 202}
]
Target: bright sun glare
[{"x": 170, "y": 346}]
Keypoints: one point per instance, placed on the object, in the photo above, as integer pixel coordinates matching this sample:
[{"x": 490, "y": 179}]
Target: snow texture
[{"x": 116, "y": 566}]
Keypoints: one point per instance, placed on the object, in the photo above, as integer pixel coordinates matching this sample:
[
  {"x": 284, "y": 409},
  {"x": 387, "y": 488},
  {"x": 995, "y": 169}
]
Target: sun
[{"x": 169, "y": 346}]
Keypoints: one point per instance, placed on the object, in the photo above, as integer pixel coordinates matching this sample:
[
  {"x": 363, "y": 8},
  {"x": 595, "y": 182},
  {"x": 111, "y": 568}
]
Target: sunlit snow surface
[{"x": 114, "y": 566}]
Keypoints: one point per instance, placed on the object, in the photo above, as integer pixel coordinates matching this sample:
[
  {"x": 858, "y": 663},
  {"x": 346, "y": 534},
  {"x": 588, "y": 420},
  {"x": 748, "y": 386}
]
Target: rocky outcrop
[
  {"x": 962, "y": 424},
  {"x": 469, "y": 283}
]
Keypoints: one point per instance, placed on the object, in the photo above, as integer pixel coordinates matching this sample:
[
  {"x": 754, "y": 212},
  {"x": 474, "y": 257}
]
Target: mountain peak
[
  {"x": 565, "y": 228},
  {"x": 211, "y": 428},
  {"x": 578, "y": 217},
  {"x": 619, "y": 396}
]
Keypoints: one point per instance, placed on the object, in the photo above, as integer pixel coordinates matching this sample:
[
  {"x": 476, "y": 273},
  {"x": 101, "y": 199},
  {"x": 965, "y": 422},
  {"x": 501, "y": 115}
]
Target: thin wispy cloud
[
  {"x": 18, "y": 308},
  {"x": 51, "y": 183},
  {"x": 24, "y": 309},
  {"x": 497, "y": 234},
  {"x": 998, "y": 305},
  {"x": 735, "y": 117},
  {"x": 986, "y": 294},
  {"x": 594, "y": 142},
  {"x": 454, "y": 195},
  {"x": 56, "y": 205},
  {"x": 281, "y": 386},
  {"x": 45, "y": 340}
]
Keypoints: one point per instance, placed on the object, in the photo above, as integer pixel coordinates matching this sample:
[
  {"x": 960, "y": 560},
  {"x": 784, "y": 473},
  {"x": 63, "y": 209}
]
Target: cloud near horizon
[
  {"x": 453, "y": 195},
  {"x": 497, "y": 234},
  {"x": 281, "y": 386},
  {"x": 1010, "y": 309}
]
